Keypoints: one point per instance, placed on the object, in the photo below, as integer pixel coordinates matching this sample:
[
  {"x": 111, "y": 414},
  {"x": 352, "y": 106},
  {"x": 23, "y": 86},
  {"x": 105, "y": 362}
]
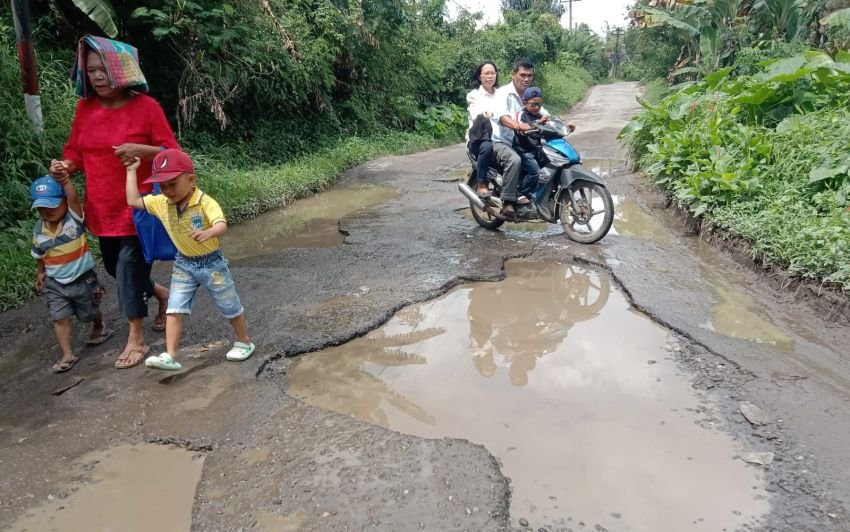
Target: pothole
[
  {"x": 575, "y": 393},
  {"x": 312, "y": 222},
  {"x": 131, "y": 488},
  {"x": 631, "y": 221}
]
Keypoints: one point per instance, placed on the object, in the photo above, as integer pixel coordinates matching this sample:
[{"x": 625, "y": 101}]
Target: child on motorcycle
[{"x": 527, "y": 145}]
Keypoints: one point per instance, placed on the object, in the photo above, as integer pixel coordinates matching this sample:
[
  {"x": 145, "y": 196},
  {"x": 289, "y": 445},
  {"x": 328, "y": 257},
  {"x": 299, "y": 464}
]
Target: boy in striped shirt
[{"x": 65, "y": 265}]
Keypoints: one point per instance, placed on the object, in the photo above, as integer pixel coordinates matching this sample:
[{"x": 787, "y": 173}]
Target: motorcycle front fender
[{"x": 577, "y": 172}]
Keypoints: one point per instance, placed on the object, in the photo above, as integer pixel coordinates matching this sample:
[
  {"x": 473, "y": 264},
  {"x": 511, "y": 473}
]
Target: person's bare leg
[
  {"x": 161, "y": 294},
  {"x": 240, "y": 328},
  {"x": 135, "y": 337},
  {"x": 97, "y": 326},
  {"x": 62, "y": 328},
  {"x": 173, "y": 330}
]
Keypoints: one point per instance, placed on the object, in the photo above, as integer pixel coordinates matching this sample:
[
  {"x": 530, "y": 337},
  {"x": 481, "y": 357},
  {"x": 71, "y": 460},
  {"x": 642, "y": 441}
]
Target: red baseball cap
[{"x": 169, "y": 164}]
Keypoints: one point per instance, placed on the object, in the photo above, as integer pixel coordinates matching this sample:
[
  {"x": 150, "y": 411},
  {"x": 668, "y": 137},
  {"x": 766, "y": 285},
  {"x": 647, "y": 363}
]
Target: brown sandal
[{"x": 132, "y": 356}]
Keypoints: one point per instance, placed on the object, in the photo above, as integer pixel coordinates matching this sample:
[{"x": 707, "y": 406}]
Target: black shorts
[
  {"x": 77, "y": 298},
  {"x": 123, "y": 260}
]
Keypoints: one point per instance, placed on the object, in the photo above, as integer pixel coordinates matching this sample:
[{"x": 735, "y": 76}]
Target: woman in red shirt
[{"x": 115, "y": 122}]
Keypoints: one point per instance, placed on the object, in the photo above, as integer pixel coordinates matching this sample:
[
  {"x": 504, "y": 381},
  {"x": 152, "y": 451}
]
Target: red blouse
[{"x": 93, "y": 134}]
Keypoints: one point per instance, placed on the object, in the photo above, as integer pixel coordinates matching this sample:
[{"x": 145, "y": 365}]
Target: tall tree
[{"x": 552, "y": 7}]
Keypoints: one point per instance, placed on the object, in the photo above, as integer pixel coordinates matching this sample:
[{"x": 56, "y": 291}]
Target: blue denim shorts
[{"x": 211, "y": 272}]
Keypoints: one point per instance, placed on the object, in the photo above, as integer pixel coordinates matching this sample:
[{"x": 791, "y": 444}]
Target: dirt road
[{"x": 572, "y": 388}]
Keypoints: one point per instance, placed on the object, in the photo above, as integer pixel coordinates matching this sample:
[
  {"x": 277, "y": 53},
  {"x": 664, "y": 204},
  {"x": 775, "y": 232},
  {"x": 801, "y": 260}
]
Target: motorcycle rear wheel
[
  {"x": 595, "y": 207},
  {"x": 482, "y": 218}
]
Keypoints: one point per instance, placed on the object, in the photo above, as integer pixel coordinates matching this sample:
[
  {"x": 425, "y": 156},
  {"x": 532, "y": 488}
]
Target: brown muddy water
[
  {"x": 574, "y": 392},
  {"x": 129, "y": 488},
  {"x": 311, "y": 222}
]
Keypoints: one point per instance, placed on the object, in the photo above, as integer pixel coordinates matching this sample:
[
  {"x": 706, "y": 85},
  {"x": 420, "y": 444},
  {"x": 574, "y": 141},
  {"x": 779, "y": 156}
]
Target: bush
[
  {"x": 763, "y": 156},
  {"x": 563, "y": 85}
]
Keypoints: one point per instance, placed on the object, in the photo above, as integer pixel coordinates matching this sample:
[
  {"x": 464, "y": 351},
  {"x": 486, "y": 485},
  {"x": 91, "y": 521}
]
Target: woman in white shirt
[{"x": 481, "y": 103}]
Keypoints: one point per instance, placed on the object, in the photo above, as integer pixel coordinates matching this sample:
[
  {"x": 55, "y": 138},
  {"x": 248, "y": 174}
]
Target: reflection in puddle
[
  {"x": 631, "y": 221},
  {"x": 307, "y": 223},
  {"x": 558, "y": 378},
  {"x": 128, "y": 488}
]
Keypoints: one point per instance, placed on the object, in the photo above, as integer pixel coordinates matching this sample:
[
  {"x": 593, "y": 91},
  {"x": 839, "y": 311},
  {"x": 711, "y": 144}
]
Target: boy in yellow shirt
[{"x": 194, "y": 221}]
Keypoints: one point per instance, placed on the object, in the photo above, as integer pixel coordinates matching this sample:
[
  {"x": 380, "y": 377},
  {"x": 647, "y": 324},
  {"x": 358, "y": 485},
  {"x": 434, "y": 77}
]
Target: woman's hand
[
  {"x": 127, "y": 152},
  {"x": 59, "y": 171}
]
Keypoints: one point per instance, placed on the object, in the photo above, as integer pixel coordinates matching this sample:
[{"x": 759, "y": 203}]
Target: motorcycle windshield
[{"x": 564, "y": 147}]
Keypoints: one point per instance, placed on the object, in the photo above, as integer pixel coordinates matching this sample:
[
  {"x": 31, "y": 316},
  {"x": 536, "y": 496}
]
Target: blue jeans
[
  {"x": 483, "y": 149},
  {"x": 211, "y": 272},
  {"x": 530, "y": 174}
]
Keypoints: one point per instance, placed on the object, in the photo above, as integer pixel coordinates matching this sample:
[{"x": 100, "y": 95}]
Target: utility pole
[
  {"x": 26, "y": 58},
  {"x": 570, "y": 4},
  {"x": 618, "y": 32}
]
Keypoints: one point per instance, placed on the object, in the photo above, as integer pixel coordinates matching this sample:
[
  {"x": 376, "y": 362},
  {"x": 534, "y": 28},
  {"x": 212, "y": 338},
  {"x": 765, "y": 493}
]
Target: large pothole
[{"x": 576, "y": 394}]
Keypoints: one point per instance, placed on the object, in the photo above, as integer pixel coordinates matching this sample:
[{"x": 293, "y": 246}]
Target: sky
[{"x": 594, "y": 13}]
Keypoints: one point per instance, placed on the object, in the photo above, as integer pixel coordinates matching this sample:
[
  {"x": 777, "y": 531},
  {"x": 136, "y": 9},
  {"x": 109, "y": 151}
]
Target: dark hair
[
  {"x": 522, "y": 63},
  {"x": 476, "y": 74}
]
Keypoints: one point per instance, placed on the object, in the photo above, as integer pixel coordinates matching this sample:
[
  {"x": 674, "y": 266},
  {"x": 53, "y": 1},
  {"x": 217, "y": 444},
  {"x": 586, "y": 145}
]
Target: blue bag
[{"x": 156, "y": 244}]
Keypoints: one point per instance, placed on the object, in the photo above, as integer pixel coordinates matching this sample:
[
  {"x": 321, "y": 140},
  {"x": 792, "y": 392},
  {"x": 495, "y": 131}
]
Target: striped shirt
[{"x": 65, "y": 253}]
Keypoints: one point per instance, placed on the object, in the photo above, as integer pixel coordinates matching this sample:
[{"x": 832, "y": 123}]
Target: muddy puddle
[
  {"x": 632, "y": 221},
  {"x": 604, "y": 168},
  {"x": 311, "y": 222},
  {"x": 129, "y": 488},
  {"x": 571, "y": 390}
]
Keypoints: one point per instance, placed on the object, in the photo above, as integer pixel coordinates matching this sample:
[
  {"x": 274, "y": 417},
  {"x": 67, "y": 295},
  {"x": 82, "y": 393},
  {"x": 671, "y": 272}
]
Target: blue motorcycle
[{"x": 567, "y": 194}]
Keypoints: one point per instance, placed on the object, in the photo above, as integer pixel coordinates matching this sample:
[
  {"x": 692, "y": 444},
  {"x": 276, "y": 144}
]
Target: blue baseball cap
[
  {"x": 532, "y": 92},
  {"x": 46, "y": 192}
]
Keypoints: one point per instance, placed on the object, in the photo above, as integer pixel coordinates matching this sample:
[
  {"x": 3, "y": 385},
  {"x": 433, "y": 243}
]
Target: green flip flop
[
  {"x": 240, "y": 351},
  {"x": 162, "y": 361}
]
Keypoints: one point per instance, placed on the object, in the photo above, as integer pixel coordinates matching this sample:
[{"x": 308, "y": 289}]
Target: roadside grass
[
  {"x": 563, "y": 85},
  {"x": 763, "y": 157}
]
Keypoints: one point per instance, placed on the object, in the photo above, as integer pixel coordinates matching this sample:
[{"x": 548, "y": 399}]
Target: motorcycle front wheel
[
  {"x": 482, "y": 217},
  {"x": 588, "y": 217}
]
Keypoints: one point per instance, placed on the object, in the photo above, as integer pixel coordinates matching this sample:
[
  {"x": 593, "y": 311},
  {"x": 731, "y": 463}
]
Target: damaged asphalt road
[{"x": 271, "y": 462}]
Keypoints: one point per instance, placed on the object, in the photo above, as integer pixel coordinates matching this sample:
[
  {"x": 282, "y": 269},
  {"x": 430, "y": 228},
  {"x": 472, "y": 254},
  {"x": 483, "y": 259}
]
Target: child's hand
[
  {"x": 201, "y": 236},
  {"x": 133, "y": 164},
  {"x": 39, "y": 280}
]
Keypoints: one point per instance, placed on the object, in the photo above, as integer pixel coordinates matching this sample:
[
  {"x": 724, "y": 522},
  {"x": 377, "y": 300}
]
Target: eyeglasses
[{"x": 536, "y": 105}]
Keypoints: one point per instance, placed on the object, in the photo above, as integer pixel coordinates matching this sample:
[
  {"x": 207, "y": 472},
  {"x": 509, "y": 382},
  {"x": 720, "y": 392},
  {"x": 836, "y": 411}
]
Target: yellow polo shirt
[{"x": 202, "y": 212}]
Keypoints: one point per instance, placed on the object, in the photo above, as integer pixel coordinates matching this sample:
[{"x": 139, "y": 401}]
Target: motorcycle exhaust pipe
[{"x": 471, "y": 195}]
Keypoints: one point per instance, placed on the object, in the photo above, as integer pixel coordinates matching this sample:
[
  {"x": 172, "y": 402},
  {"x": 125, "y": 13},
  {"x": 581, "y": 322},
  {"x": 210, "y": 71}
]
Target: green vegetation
[
  {"x": 763, "y": 156},
  {"x": 275, "y": 98}
]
